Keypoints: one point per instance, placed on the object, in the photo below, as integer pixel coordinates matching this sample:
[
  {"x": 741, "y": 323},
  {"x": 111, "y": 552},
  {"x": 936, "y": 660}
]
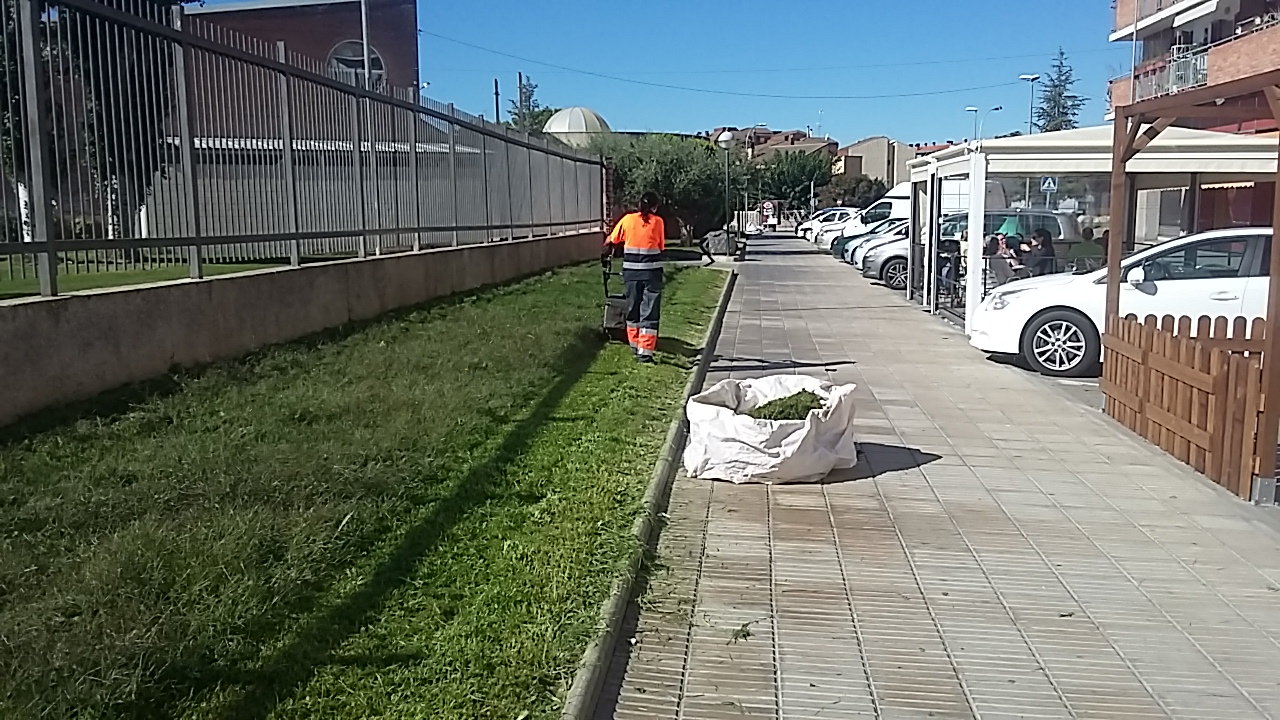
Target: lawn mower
[{"x": 615, "y": 306}]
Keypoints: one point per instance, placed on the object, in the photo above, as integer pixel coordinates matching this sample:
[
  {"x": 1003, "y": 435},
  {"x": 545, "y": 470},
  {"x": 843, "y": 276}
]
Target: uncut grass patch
[
  {"x": 415, "y": 518},
  {"x": 22, "y": 286}
]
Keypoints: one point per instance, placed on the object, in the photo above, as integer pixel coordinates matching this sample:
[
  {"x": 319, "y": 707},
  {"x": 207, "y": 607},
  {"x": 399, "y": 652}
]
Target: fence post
[
  {"x": 186, "y": 150},
  {"x": 453, "y": 170},
  {"x": 1261, "y": 490},
  {"x": 511, "y": 197},
  {"x": 374, "y": 181},
  {"x": 358, "y": 165},
  {"x": 550, "y": 213},
  {"x": 484, "y": 164},
  {"x": 577, "y": 197},
  {"x": 290, "y": 171},
  {"x": 528, "y": 149},
  {"x": 413, "y": 170},
  {"x": 39, "y": 158}
]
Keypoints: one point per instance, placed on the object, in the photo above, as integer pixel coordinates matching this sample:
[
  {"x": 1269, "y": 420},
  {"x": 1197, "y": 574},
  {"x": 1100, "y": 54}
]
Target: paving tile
[{"x": 1001, "y": 553}]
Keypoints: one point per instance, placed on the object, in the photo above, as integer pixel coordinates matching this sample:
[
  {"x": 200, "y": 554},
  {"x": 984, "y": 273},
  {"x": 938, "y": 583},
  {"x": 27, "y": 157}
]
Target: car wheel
[
  {"x": 894, "y": 274},
  {"x": 1061, "y": 343}
]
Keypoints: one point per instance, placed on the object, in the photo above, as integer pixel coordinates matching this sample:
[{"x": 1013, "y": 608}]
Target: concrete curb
[{"x": 584, "y": 694}]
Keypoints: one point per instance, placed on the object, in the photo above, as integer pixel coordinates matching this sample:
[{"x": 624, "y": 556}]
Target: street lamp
[
  {"x": 725, "y": 141},
  {"x": 1031, "y": 117},
  {"x": 997, "y": 108},
  {"x": 975, "y": 111},
  {"x": 1031, "y": 125}
]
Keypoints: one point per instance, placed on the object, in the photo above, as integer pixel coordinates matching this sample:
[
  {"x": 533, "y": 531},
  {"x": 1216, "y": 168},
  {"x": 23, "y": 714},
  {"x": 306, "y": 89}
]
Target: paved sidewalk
[{"x": 1003, "y": 552}]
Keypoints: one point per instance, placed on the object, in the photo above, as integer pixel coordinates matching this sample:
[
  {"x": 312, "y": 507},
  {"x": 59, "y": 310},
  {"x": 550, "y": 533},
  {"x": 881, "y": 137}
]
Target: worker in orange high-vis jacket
[{"x": 642, "y": 236}]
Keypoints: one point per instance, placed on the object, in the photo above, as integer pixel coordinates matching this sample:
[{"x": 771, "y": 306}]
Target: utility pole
[
  {"x": 520, "y": 99},
  {"x": 364, "y": 39},
  {"x": 497, "y": 102}
]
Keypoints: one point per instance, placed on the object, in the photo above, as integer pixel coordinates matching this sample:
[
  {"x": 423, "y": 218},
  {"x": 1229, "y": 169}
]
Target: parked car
[
  {"x": 888, "y": 263},
  {"x": 857, "y": 254},
  {"x": 895, "y": 205},
  {"x": 839, "y": 244},
  {"x": 1054, "y": 321},
  {"x": 831, "y": 216},
  {"x": 1062, "y": 226}
]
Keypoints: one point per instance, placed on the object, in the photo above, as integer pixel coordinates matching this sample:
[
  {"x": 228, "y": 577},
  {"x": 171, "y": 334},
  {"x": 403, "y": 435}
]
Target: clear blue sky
[{"x": 773, "y": 48}]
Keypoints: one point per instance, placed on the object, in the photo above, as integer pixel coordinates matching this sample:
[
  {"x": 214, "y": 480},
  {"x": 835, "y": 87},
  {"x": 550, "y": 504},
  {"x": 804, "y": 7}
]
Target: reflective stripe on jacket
[{"x": 642, "y": 241}]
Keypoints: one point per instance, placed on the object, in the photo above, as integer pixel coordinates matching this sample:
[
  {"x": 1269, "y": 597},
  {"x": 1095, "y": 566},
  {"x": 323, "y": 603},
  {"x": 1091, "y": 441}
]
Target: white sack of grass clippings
[{"x": 727, "y": 444}]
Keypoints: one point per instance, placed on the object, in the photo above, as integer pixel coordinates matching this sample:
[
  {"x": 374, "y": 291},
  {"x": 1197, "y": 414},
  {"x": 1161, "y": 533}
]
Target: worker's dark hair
[{"x": 648, "y": 206}]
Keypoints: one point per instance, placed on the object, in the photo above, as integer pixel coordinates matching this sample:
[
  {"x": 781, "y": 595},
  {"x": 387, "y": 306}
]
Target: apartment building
[
  {"x": 1180, "y": 45},
  {"x": 879, "y": 157}
]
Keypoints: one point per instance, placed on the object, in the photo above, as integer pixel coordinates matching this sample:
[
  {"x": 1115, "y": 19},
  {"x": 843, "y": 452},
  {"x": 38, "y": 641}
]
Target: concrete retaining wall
[{"x": 71, "y": 347}]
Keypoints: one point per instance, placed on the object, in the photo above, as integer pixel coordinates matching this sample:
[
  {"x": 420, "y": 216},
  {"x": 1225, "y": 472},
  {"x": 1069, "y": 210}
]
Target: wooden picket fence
[{"x": 1197, "y": 395}]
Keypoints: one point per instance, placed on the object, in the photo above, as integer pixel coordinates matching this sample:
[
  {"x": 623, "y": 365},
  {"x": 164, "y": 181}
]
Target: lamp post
[
  {"x": 975, "y": 111},
  {"x": 997, "y": 108},
  {"x": 1031, "y": 124},
  {"x": 1031, "y": 115},
  {"x": 725, "y": 141}
]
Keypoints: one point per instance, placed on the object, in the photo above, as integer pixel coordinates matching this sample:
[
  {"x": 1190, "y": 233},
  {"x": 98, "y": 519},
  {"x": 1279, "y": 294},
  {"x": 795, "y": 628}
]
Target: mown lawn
[
  {"x": 14, "y": 285},
  {"x": 416, "y": 518}
]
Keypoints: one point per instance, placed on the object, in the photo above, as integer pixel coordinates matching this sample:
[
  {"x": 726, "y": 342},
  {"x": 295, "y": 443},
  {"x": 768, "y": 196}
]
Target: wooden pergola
[{"x": 1136, "y": 126}]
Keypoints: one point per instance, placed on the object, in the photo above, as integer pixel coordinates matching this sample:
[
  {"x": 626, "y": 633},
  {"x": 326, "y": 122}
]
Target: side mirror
[{"x": 1136, "y": 276}]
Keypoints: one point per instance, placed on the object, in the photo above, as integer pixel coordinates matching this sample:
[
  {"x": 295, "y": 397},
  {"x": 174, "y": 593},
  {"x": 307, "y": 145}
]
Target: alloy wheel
[
  {"x": 895, "y": 275},
  {"x": 1059, "y": 345}
]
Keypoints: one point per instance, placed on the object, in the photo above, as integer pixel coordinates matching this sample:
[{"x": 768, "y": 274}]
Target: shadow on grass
[
  {"x": 678, "y": 347},
  {"x": 290, "y": 669}
]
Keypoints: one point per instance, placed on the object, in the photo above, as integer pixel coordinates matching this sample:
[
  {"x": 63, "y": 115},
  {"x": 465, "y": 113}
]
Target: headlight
[{"x": 1000, "y": 300}]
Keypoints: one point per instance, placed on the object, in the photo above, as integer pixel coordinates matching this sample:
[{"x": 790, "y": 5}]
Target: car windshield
[
  {"x": 881, "y": 226},
  {"x": 1127, "y": 263}
]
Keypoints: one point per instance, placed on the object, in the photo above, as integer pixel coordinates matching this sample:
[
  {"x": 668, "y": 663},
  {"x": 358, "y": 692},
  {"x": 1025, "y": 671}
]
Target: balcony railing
[{"x": 1189, "y": 69}]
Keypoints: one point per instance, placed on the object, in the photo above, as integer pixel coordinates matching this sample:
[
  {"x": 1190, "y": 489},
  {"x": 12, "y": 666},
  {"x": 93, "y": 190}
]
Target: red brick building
[
  {"x": 1186, "y": 44},
  {"x": 329, "y": 31},
  {"x": 1180, "y": 45}
]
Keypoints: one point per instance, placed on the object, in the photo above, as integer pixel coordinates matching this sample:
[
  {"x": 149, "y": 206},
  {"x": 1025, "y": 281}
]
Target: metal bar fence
[{"x": 135, "y": 137}]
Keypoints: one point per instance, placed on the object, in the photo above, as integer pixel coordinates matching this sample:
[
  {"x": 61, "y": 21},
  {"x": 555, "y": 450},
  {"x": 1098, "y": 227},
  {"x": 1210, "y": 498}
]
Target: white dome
[{"x": 576, "y": 126}]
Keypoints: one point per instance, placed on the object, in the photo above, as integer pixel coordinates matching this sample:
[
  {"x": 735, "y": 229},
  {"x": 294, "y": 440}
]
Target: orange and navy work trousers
[{"x": 644, "y": 307}]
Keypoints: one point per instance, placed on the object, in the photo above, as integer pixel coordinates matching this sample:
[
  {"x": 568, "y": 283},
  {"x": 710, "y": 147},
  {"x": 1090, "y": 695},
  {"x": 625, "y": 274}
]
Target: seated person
[{"x": 1087, "y": 249}]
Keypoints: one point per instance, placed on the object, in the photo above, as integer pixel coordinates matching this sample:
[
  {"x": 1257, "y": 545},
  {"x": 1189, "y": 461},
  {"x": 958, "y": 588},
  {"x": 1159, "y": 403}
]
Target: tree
[
  {"x": 687, "y": 173},
  {"x": 117, "y": 136},
  {"x": 527, "y": 114},
  {"x": 1059, "y": 107},
  {"x": 852, "y": 190},
  {"x": 787, "y": 176}
]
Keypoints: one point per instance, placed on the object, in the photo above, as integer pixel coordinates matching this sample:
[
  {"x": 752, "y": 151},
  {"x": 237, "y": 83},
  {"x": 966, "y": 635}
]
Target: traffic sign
[
  {"x": 768, "y": 206},
  {"x": 1049, "y": 184}
]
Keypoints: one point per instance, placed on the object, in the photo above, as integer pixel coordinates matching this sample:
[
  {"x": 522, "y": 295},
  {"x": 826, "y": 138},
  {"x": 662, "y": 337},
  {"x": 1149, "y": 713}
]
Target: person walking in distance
[
  {"x": 704, "y": 245},
  {"x": 642, "y": 237}
]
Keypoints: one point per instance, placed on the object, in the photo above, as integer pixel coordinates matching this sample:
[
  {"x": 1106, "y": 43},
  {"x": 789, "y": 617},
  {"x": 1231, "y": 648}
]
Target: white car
[
  {"x": 831, "y": 216},
  {"x": 1054, "y": 321},
  {"x": 859, "y": 253}
]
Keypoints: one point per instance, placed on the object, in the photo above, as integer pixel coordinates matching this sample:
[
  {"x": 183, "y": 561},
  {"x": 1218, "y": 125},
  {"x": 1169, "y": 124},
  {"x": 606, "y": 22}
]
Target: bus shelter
[{"x": 1183, "y": 181}]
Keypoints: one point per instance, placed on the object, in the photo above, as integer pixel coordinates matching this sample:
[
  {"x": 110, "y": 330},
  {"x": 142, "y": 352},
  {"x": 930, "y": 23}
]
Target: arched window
[{"x": 347, "y": 61}]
